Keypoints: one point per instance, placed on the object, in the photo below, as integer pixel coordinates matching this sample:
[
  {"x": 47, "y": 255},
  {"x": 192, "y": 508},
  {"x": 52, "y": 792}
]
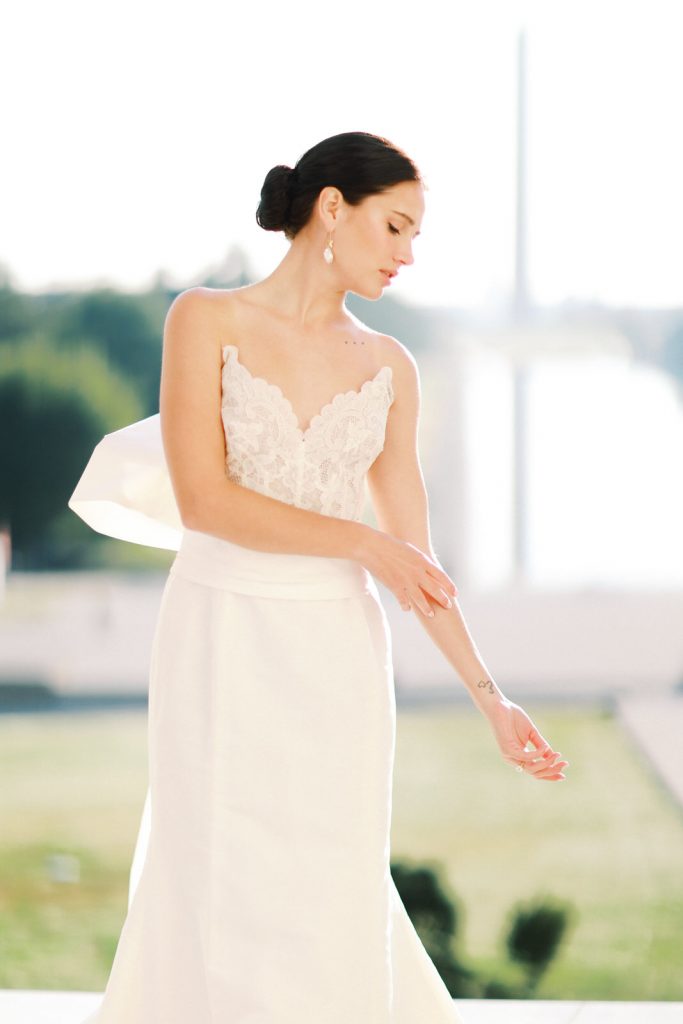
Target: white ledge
[{"x": 23, "y": 1007}]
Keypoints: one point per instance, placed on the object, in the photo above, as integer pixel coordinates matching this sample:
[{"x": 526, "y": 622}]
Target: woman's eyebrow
[{"x": 409, "y": 219}]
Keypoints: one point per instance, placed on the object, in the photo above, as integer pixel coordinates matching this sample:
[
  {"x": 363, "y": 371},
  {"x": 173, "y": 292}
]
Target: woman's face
[{"x": 377, "y": 236}]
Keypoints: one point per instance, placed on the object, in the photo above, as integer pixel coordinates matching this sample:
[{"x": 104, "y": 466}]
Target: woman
[{"x": 265, "y": 894}]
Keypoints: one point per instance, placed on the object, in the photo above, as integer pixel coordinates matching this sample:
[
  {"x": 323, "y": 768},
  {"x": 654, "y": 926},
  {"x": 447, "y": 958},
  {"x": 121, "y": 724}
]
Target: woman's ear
[{"x": 330, "y": 202}]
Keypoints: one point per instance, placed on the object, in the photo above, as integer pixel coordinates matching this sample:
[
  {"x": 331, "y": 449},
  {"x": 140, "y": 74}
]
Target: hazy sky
[{"x": 136, "y": 137}]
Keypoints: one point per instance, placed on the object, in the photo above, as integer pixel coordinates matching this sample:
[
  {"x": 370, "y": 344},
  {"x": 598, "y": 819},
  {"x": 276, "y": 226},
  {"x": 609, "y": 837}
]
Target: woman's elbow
[
  {"x": 198, "y": 507},
  {"x": 188, "y": 517}
]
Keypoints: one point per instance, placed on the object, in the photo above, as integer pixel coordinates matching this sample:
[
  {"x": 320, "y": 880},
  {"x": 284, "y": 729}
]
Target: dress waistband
[{"x": 216, "y": 562}]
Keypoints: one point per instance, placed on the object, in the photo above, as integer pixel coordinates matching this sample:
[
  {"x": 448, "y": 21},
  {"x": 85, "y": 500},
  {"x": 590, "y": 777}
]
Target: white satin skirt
[{"x": 260, "y": 889}]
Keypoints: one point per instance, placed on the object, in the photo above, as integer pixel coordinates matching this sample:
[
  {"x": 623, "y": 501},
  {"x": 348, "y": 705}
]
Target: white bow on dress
[{"x": 125, "y": 490}]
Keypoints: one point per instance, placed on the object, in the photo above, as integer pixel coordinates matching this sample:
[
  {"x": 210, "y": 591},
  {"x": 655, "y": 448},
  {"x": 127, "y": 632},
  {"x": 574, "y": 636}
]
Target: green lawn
[{"x": 608, "y": 840}]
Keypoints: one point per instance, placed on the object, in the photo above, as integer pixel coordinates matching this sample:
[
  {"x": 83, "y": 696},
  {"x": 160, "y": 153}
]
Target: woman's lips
[{"x": 387, "y": 276}]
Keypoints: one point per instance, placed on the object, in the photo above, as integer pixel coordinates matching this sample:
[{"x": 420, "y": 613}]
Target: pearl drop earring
[{"x": 328, "y": 254}]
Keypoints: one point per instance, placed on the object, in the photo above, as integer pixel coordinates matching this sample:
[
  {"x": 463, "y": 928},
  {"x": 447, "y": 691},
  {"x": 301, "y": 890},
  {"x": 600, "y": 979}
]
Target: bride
[{"x": 264, "y": 894}]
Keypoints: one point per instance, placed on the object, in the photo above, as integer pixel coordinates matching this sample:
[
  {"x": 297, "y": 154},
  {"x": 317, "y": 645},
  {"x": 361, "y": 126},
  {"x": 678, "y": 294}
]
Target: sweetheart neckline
[{"x": 277, "y": 390}]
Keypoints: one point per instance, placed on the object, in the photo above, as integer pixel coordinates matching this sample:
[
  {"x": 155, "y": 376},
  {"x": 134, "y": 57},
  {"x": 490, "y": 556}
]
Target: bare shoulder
[
  {"x": 388, "y": 351},
  {"x": 200, "y": 316},
  {"x": 203, "y": 302},
  {"x": 405, "y": 370}
]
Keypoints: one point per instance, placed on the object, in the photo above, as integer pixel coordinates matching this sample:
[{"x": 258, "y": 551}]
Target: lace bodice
[{"x": 321, "y": 468}]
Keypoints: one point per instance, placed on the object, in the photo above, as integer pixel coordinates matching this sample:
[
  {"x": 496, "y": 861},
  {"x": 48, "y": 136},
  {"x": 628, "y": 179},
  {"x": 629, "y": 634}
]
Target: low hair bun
[
  {"x": 276, "y": 190},
  {"x": 357, "y": 163}
]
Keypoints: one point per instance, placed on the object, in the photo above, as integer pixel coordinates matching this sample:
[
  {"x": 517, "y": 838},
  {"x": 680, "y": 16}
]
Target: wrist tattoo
[{"x": 486, "y": 682}]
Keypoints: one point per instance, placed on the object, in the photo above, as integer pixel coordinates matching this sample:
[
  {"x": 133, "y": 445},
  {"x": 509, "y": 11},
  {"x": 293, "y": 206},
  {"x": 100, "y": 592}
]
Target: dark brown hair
[{"x": 357, "y": 163}]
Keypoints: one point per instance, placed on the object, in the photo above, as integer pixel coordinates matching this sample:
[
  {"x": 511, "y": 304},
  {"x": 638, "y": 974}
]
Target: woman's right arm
[{"x": 210, "y": 502}]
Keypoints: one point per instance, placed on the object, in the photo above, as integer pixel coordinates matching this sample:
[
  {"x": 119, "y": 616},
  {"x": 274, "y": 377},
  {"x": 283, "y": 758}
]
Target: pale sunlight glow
[
  {"x": 137, "y": 136},
  {"x": 606, "y": 503}
]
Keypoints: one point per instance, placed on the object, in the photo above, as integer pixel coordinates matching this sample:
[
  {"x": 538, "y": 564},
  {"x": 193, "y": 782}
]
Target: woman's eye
[{"x": 394, "y": 231}]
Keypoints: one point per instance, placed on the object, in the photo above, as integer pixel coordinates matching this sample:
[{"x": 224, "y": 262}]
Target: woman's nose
[{"x": 406, "y": 255}]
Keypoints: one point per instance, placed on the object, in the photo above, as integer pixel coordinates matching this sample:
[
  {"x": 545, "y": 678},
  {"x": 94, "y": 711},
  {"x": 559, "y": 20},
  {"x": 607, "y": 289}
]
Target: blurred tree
[
  {"x": 17, "y": 314},
  {"x": 121, "y": 327},
  {"x": 55, "y": 406},
  {"x": 436, "y": 919},
  {"x": 535, "y": 932},
  {"x": 534, "y": 935}
]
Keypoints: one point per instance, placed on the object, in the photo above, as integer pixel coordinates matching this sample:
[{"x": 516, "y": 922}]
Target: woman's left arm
[{"x": 400, "y": 503}]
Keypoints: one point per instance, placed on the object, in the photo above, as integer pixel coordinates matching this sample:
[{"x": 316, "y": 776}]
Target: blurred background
[{"x": 546, "y": 315}]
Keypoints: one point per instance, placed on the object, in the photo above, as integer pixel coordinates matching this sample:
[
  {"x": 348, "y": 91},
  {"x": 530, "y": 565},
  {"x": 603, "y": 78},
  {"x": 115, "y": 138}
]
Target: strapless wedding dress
[{"x": 260, "y": 889}]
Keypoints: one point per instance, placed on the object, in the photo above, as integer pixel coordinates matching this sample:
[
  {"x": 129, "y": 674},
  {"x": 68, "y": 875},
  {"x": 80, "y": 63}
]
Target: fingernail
[
  {"x": 430, "y": 613},
  {"x": 449, "y": 603}
]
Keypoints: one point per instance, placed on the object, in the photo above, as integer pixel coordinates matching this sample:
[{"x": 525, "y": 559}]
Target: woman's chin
[{"x": 372, "y": 294}]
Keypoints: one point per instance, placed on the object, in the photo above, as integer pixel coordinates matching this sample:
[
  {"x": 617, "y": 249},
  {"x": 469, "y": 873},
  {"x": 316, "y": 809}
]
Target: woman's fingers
[
  {"x": 416, "y": 576},
  {"x": 438, "y": 592},
  {"x": 536, "y": 739},
  {"x": 547, "y": 764},
  {"x": 422, "y": 579},
  {"x": 529, "y": 756},
  {"x": 516, "y": 733},
  {"x": 416, "y": 599},
  {"x": 552, "y": 770},
  {"x": 443, "y": 579},
  {"x": 437, "y": 587},
  {"x": 549, "y": 775},
  {"x": 539, "y": 758}
]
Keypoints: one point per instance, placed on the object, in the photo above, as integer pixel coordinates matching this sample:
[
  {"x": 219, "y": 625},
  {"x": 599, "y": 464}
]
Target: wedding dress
[{"x": 260, "y": 888}]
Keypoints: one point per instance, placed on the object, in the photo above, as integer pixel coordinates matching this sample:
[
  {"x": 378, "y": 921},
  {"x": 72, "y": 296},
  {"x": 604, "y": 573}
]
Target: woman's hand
[
  {"x": 514, "y": 731},
  {"x": 407, "y": 571}
]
